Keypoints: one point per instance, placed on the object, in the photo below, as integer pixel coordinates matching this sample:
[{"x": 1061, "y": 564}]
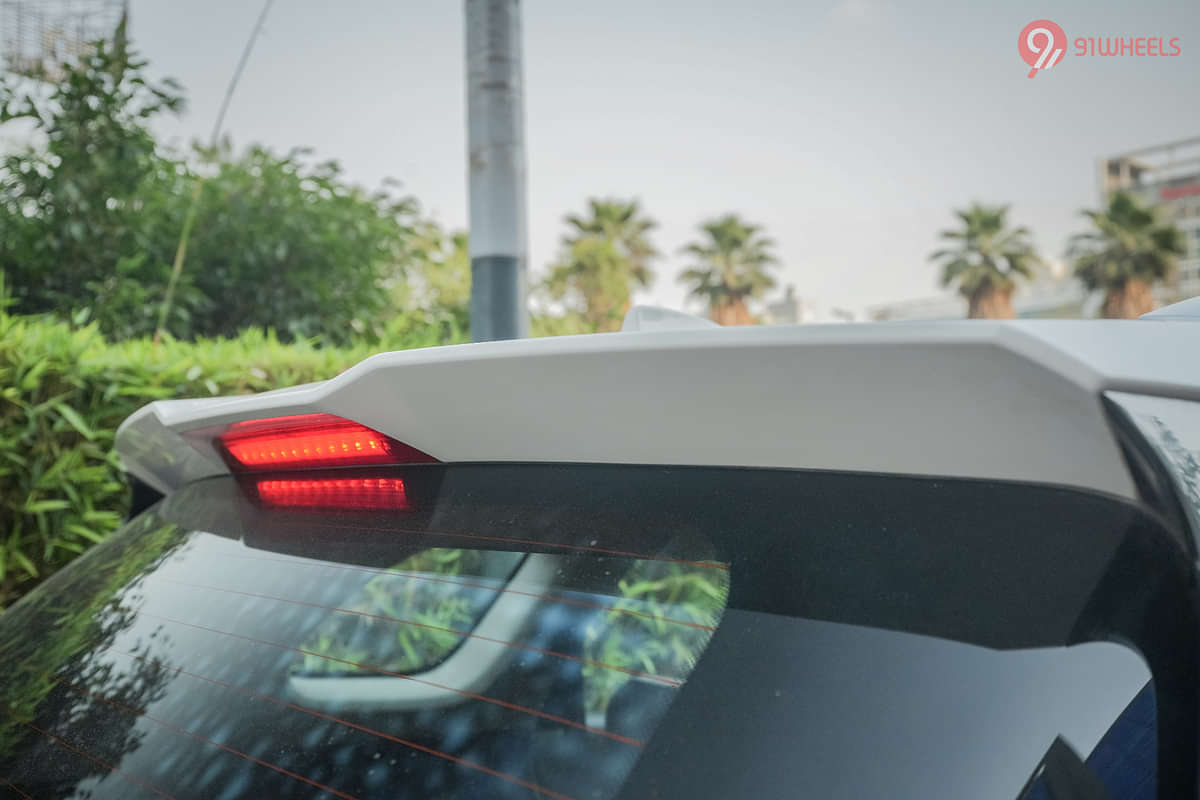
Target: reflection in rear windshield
[
  {"x": 717, "y": 632},
  {"x": 242, "y": 672},
  {"x": 440, "y": 594}
]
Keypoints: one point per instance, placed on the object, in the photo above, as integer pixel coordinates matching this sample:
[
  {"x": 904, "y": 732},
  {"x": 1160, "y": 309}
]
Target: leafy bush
[
  {"x": 73, "y": 202},
  {"x": 284, "y": 244},
  {"x": 92, "y": 209},
  {"x": 65, "y": 391}
]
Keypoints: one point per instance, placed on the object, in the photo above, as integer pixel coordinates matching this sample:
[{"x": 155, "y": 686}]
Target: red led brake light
[
  {"x": 311, "y": 440},
  {"x": 342, "y": 493}
]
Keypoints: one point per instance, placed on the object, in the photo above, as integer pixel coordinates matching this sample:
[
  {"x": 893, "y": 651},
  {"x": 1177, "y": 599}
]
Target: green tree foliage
[
  {"x": 572, "y": 323},
  {"x": 72, "y": 204},
  {"x": 987, "y": 259},
  {"x": 91, "y": 212},
  {"x": 731, "y": 264},
  {"x": 292, "y": 247},
  {"x": 432, "y": 282},
  {"x": 605, "y": 255},
  {"x": 63, "y": 392},
  {"x": 1130, "y": 248}
]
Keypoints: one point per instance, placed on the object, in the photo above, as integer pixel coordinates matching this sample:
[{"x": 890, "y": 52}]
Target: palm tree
[
  {"x": 731, "y": 266},
  {"x": 1130, "y": 249},
  {"x": 605, "y": 254},
  {"x": 987, "y": 260}
]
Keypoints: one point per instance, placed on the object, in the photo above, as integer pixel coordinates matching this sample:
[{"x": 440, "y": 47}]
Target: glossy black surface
[{"x": 704, "y": 633}]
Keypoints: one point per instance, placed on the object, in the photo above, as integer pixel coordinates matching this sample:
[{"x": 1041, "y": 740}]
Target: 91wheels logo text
[{"x": 1042, "y": 44}]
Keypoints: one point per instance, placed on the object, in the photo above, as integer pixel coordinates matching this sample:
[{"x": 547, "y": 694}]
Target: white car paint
[{"x": 1014, "y": 400}]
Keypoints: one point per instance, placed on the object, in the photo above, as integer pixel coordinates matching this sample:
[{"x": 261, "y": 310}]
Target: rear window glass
[
  {"x": 577, "y": 633},
  {"x": 441, "y": 594}
]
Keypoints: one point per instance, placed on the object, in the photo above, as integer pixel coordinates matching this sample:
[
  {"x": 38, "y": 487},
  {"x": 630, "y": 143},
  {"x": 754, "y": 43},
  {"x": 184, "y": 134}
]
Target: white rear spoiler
[
  {"x": 1017, "y": 400},
  {"x": 1183, "y": 311}
]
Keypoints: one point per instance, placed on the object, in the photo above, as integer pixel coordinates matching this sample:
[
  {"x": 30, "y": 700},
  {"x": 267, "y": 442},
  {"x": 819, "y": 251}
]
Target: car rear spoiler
[{"x": 1010, "y": 401}]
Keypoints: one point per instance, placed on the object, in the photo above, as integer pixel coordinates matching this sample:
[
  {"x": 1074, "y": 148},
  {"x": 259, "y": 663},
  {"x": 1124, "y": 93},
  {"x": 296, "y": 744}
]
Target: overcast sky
[{"x": 848, "y": 128}]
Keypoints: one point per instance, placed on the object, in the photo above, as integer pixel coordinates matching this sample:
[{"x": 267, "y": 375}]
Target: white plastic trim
[
  {"x": 1017, "y": 400},
  {"x": 1185, "y": 310}
]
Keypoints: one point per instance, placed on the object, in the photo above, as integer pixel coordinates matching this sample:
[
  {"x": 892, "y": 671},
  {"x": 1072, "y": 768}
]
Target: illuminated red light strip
[
  {"x": 349, "y": 493},
  {"x": 311, "y": 440},
  {"x": 353, "y": 725},
  {"x": 139, "y": 713},
  {"x": 358, "y": 446},
  {"x": 674, "y": 683},
  {"x": 370, "y": 668}
]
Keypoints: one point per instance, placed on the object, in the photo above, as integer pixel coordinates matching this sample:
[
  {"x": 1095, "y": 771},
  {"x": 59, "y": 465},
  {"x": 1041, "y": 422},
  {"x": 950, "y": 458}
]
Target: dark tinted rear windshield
[{"x": 583, "y": 632}]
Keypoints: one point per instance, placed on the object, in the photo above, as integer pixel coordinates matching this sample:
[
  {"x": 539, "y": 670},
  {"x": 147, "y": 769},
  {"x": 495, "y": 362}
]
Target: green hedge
[{"x": 63, "y": 392}]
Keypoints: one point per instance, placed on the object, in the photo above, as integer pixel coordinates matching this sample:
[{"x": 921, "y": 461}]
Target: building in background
[
  {"x": 793, "y": 310},
  {"x": 1167, "y": 175},
  {"x": 42, "y": 39}
]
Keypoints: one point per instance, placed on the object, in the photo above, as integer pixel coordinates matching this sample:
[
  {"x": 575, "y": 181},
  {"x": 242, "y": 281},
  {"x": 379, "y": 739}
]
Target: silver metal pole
[{"x": 496, "y": 168}]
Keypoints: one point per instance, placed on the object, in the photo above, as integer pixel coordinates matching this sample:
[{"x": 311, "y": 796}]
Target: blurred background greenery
[
  {"x": 292, "y": 274},
  {"x": 92, "y": 209}
]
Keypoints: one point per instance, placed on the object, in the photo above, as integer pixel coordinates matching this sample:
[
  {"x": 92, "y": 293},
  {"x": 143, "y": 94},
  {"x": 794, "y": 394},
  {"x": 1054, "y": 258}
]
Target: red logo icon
[{"x": 1041, "y": 44}]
